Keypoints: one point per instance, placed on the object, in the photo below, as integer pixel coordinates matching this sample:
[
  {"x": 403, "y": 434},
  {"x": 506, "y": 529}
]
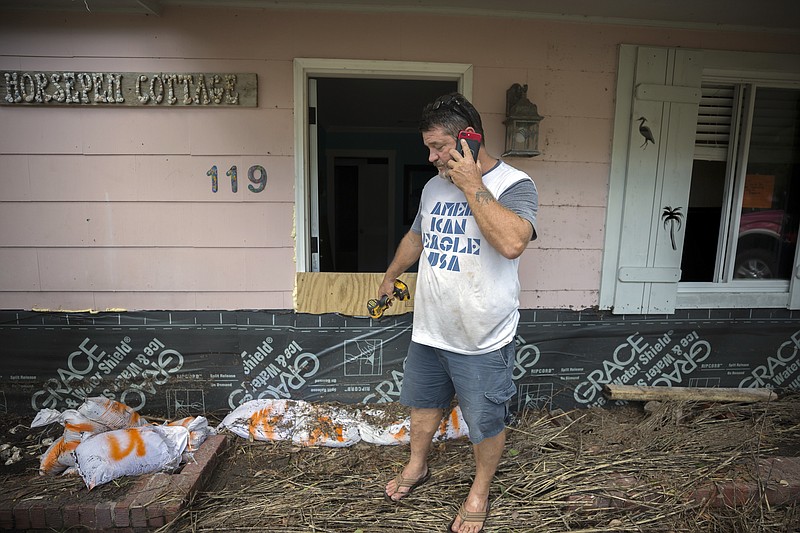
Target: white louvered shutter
[{"x": 714, "y": 119}]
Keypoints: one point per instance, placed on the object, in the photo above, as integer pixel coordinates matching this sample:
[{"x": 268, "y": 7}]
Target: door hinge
[{"x": 312, "y": 116}]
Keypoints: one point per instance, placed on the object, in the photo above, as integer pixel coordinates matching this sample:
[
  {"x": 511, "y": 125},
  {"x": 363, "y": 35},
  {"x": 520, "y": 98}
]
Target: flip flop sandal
[
  {"x": 405, "y": 483},
  {"x": 467, "y": 516}
]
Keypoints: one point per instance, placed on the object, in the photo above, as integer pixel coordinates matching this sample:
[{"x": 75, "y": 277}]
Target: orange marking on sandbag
[
  {"x": 400, "y": 433},
  {"x": 136, "y": 442},
  {"x": 266, "y": 421},
  {"x": 182, "y": 422},
  {"x": 454, "y": 420},
  {"x": 121, "y": 410},
  {"x": 51, "y": 462},
  {"x": 81, "y": 427}
]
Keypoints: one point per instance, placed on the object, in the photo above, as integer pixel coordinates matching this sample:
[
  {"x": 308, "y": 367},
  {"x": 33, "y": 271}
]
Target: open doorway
[{"x": 371, "y": 165}]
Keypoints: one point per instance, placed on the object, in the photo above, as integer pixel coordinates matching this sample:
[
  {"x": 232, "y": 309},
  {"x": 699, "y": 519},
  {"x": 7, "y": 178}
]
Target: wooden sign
[{"x": 114, "y": 89}]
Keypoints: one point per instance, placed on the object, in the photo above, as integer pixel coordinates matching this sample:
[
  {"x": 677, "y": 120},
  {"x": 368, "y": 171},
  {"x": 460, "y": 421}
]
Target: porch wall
[{"x": 113, "y": 209}]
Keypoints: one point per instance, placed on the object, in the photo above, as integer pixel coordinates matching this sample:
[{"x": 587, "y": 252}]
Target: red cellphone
[{"x": 473, "y": 141}]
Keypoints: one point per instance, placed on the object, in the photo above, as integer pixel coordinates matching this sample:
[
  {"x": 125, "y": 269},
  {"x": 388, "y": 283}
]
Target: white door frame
[{"x": 348, "y": 68}]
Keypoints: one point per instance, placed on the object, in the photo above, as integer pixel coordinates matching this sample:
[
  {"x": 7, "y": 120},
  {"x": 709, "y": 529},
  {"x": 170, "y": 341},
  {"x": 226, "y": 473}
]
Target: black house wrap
[{"x": 183, "y": 363}]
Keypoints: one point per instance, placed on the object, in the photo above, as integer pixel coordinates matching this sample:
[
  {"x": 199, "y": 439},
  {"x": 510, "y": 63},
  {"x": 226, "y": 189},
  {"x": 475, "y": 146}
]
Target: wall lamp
[{"x": 522, "y": 123}]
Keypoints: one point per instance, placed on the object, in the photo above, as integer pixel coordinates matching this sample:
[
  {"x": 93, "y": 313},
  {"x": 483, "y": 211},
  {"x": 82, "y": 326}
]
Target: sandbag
[
  {"x": 58, "y": 458},
  {"x": 375, "y": 428},
  {"x": 453, "y": 426},
  {"x": 111, "y": 413},
  {"x": 129, "y": 452},
  {"x": 297, "y": 421},
  {"x": 46, "y": 416},
  {"x": 76, "y": 425},
  {"x": 326, "y": 425},
  {"x": 264, "y": 420},
  {"x": 198, "y": 430},
  {"x": 93, "y": 416}
]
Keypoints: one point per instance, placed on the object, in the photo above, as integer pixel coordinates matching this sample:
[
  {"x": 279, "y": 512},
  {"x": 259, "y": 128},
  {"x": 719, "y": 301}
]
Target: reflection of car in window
[{"x": 766, "y": 245}]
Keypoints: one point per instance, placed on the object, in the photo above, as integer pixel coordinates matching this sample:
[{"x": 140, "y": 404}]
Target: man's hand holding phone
[
  {"x": 473, "y": 139},
  {"x": 465, "y": 169}
]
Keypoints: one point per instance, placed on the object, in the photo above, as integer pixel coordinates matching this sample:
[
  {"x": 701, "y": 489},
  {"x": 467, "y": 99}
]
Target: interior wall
[
  {"x": 106, "y": 208},
  {"x": 371, "y": 116}
]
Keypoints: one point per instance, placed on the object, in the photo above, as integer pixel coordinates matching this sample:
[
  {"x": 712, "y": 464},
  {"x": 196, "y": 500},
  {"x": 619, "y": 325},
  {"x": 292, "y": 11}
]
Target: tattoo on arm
[{"x": 483, "y": 196}]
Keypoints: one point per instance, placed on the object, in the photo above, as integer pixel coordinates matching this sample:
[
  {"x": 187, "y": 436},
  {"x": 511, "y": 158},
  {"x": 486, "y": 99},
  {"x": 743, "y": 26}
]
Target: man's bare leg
[
  {"x": 424, "y": 423},
  {"x": 487, "y": 453}
]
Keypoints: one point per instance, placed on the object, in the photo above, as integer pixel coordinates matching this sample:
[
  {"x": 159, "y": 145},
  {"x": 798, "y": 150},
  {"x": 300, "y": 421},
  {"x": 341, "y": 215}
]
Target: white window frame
[
  {"x": 775, "y": 70},
  {"x": 305, "y": 68}
]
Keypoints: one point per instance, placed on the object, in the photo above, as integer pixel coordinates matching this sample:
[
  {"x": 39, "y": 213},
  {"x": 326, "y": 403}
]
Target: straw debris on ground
[{"x": 613, "y": 469}]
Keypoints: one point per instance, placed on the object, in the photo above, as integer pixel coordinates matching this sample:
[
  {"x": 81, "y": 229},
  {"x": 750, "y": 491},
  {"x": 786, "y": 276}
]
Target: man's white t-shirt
[{"x": 467, "y": 294}]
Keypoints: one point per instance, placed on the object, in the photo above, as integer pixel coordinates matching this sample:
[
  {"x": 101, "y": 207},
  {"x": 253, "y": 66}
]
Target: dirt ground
[{"x": 617, "y": 469}]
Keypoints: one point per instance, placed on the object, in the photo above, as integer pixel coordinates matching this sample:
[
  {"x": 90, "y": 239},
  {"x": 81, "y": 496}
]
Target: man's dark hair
[{"x": 451, "y": 112}]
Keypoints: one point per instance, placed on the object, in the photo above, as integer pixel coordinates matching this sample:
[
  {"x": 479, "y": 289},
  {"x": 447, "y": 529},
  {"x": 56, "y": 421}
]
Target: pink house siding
[{"x": 112, "y": 208}]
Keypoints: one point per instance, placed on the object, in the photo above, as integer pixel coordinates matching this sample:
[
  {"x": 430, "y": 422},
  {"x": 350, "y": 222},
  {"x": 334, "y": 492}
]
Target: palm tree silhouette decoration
[
  {"x": 646, "y": 133},
  {"x": 672, "y": 217}
]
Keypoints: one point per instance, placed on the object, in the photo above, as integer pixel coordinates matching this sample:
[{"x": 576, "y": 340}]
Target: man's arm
[
  {"x": 408, "y": 253},
  {"x": 505, "y": 230}
]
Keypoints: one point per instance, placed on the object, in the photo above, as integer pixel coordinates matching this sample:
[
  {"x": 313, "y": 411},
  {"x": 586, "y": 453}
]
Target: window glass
[
  {"x": 769, "y": 211},
  {"x": 745, "y": 177}
]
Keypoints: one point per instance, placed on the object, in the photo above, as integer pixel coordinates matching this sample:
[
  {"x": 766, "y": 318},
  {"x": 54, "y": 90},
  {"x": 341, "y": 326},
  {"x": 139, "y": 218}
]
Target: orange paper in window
[{"x": 758, "y": 190}]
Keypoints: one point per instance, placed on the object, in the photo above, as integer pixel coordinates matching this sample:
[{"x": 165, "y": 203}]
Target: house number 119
[{"x": 256, "y": 174}]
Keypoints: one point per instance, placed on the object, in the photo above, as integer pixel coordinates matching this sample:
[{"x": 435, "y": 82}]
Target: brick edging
[
  {"x": 152, "y": 501},
  {"x": 775, "y": 481}
]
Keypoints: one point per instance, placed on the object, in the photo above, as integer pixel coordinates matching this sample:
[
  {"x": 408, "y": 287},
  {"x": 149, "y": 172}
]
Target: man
[{"x": 475, "y": 220}]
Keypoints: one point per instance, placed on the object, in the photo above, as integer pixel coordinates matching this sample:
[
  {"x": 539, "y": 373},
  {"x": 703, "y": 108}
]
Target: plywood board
[{"x": 346, "y": 293}]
